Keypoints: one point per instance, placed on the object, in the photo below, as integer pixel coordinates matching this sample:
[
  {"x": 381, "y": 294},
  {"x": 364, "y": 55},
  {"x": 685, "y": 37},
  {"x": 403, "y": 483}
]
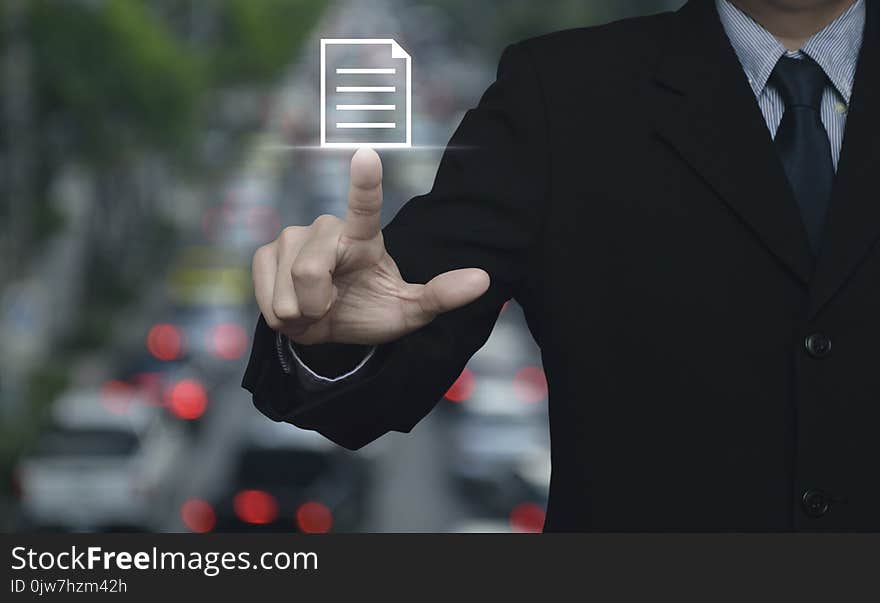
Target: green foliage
[
  {"x": 121, "y": 73},
  {"x": 116, "y": 70},
  {"x": 47, "y": 219},
  {"x": 259, "y": 37},
  {"x": 42, "y": 386}
]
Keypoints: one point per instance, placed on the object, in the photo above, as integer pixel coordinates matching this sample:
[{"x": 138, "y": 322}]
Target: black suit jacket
[{"x": 620, "y": 182}]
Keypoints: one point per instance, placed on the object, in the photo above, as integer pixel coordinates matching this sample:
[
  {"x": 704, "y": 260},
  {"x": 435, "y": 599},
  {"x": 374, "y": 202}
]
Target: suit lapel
[
  {"x": 705, "y": 110},
  {"x": 853, "y": 224}
]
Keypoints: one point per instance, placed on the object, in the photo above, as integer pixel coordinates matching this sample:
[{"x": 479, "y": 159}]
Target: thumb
[{"x": 452, "y": 290}]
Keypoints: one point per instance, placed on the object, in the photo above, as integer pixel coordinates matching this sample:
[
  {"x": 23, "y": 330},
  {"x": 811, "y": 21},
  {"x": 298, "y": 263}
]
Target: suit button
[
  {"x": 818, "y": 345},
  {"x": 816, "y": 503}
]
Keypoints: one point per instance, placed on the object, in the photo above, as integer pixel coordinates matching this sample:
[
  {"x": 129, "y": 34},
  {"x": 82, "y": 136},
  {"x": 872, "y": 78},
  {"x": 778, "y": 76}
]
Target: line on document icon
[
  {"x": 366, "y": 89},
  {"x": 366, "y": 107},
  {"x": 368, "y": 124},
  {"x": 379, "y": 71}
]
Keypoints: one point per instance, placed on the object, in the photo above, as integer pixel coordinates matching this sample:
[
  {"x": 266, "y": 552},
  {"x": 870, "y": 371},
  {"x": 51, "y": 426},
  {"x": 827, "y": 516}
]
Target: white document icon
[{"x": 366, "y": 94}]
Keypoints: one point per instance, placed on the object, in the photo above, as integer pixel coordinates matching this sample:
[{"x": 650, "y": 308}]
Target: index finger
[{"x": 362, "y": 221}]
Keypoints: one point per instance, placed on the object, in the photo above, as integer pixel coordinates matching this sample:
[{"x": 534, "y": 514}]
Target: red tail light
[
  {"x": 527, "y": 517},
  {"x": 188, "y": 399},
  {"x": 198, "y": 515},
  {"x": 228, "y": 341},
  {"x": 530, "y": 384},
  {"x": 314, "y": 518},
  {"x": 255, "y": 506},
  {"x": 463, "y": 387},
  {"x": 164, "y": 341}
]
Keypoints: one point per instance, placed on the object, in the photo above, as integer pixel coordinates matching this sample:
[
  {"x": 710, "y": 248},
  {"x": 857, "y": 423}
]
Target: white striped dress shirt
[{"x": 835, "y": 49}]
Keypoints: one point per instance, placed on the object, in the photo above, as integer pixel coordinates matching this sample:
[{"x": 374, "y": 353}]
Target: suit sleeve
[{"x": 486, "y": 210}]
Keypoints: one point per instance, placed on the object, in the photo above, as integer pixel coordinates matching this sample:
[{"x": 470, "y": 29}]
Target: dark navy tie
[{"x": 802, "y": 141}]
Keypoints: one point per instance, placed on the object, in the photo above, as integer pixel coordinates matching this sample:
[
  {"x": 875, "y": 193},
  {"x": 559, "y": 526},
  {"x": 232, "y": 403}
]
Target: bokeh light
[
  {"x": 463, "y": 388},
  {"x": 314, "y": 518},
  {"x": 530, "y": 384},
  {"x": 164, "y": 342},
  {"x": 228, "y": 341},
  {"x": 188, "y": 399},
  {"x": 255, "y": 506},
  {"x": 198, "y": 515},
  {"x": 527, "y": 517}
]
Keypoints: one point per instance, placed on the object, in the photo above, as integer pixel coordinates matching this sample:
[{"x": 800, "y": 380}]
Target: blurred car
[
  {"x": 209, "y": 316},
  {"x": 499, "y": 447},
  {"x": 211, "y": 334},
  {"x": 287, "y": 479},
  {"x": 187, "y": 356},
  {"x": 108, "y": 460},
  {"x": 480, "y": 526},
  {"x": 184, "y": 389}
]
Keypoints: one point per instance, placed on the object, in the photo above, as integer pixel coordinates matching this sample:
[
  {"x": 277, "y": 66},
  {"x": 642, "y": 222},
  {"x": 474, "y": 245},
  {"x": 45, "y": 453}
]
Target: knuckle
[
  {"x": 286, "y": 311},
  {"x": 325, "y": 220},
  {"x": 363, "y": 209},
  {"x": 290, "y": 235},
  {"x": 309, "y": 271},
  {"x": 261, "y": 253},
  {"x": 274, "y": 323},
  {"x": 313, "y": 312}
]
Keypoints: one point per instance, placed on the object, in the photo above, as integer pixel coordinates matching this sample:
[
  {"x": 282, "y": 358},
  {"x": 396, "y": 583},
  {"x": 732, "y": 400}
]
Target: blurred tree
[
  {"x": 120, "y": 86},
  {"x": 243, "y": 41},
  {"x": 108, "y": 98},
  {"x": 112, "y": 74},
  {"x": 88, "y": 83},
  {"x": 115, "y": 93},
  {"x": 259, "y": 37},
  {"x": 107, "y": 81},
  {"x": 15, "y": 143}
]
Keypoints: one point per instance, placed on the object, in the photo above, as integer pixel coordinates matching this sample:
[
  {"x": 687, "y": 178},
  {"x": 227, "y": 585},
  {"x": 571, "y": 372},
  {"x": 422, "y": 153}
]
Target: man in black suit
[{"x": 700, "y": 270}]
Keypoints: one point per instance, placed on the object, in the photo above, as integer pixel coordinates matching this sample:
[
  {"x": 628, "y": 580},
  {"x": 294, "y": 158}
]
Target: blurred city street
[{"x": 120, "y": 396}]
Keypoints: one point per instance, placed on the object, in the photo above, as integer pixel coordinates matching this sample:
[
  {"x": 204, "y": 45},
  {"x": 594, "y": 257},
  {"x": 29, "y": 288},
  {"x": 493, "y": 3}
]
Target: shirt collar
[{"x": 835, "y": 48}]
